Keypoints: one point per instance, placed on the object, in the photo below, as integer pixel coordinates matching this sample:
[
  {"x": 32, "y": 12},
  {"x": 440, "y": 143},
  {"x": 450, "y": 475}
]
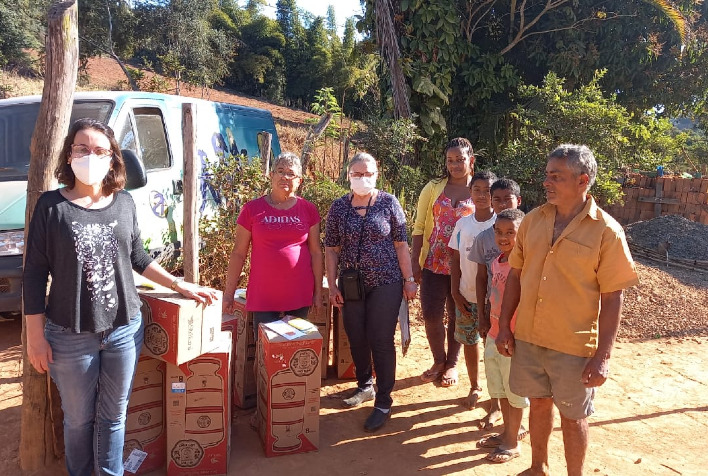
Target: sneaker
[
  {"x": 376, "y": 420},
  {"x": 359, "y": 396}
]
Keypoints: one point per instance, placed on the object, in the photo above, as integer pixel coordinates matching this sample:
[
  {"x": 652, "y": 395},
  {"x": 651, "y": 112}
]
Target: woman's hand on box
[{"x": 196, "y": 292}]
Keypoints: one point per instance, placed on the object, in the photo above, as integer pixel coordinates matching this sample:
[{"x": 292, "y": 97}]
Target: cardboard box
[
  {"x": 145, "y": 422},
  {"x": 323, "y": 320},
  {"x": 178, "y": 329},
  {"x": 288, "y": 391},
  {"x": 244, "y": 345},
  {"x": 198, "y": 413},
  {"x": 342, "y": 350}
]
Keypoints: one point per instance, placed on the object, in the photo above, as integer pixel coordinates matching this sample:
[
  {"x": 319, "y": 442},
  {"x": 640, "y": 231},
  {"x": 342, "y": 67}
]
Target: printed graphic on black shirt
[{"x": 97, "y": 248}]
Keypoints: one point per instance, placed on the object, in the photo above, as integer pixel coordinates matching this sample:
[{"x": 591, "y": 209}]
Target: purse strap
[{"x": 361, "y": 230}]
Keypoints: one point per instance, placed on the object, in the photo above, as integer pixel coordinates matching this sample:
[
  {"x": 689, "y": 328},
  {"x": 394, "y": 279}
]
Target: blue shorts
[{"x": 466, "y": 328}]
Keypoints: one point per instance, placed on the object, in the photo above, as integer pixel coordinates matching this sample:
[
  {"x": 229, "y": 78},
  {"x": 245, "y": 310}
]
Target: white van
[{"x": 149, "y": 125}]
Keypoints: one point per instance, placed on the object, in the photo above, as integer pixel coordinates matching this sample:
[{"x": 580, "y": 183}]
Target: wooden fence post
[
  {"x": 191, "y": 212},
  {"x": 266, "y": 139},
  {"x": 37, "y": 440}
]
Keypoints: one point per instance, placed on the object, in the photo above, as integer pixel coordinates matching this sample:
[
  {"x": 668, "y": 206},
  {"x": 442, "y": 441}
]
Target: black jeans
[
  {"x": 435, "y": 299},
  {"x": 371, "y": 326}
]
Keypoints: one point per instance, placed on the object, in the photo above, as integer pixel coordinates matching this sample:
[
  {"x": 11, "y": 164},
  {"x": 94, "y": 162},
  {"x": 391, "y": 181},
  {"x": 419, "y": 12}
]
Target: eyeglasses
[
  {"x": 287, "y": 175},
  {"x": 80, "y": 150},
  {"x": 361, "y": 174}
]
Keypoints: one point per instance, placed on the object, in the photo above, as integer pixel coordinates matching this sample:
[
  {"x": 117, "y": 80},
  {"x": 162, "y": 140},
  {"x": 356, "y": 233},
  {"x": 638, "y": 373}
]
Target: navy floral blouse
[{"x": 384, "y": 224}]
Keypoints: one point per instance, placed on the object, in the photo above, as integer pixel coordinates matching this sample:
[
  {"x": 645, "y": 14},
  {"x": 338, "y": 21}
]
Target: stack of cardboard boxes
[
  {"x": 289, "y": 376},
  {"x": 197, "y": 367},
  {"x": 179, "y": 413}
]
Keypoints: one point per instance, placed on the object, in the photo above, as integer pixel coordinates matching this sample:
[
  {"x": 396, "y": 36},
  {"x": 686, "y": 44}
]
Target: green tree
[
  {"x": 177, "y": 37},
  {"x": 295, "y": 52},
  {"x": 259, "y": 67},
  {"x": 548, "y": 115},
  {"x": 21, "y": 28}
]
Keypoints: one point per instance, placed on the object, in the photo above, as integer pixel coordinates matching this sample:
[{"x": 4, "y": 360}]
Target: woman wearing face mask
[
  {"x": 89, "y": 333},
  {"x": 366, "y": 232}
]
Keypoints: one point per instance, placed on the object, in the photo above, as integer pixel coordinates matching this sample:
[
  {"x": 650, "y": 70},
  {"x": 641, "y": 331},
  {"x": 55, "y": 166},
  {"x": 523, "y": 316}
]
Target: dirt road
[{"x": 651, "y": 419}]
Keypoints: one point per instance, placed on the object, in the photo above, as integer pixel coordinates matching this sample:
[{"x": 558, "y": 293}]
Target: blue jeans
[{"x": 94, "y": 374}]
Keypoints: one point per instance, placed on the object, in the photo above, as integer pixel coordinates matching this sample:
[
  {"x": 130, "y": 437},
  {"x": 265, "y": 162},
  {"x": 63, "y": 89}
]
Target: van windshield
[{"x": 16, "y": 128}]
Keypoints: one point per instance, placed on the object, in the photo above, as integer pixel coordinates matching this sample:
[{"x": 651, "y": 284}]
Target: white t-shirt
[{"x": 463, "y": 236}]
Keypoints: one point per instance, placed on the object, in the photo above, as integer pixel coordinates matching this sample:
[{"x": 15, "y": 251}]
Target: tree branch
[
  {"x": 521, "y": 34},
  {"x": 471, "y": 13},
  {"x": 133, "y": 85}
]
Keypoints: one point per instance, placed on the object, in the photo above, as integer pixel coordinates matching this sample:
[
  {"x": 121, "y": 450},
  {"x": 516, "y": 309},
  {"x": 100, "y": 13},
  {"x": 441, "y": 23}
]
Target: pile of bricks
[{"x": 648, "y": 197}]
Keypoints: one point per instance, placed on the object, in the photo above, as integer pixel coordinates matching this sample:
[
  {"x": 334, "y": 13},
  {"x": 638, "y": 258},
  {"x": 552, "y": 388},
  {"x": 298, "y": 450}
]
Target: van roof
[{"x": 119, "y": 96}]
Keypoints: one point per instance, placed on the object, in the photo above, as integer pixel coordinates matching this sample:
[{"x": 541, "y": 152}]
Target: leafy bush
[
  {"x": 550, "y": 115},
  {"x": 321, "y": 191},
  {"x": 238, "y": 180}
]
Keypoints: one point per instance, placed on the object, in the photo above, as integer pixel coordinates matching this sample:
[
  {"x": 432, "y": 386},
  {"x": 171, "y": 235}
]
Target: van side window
[
  {"x": 150, "y": 129},
  {"x": 126, "y": 137}
]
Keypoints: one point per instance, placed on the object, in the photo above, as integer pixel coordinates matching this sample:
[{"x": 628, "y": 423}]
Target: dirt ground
[{"x": 651, "y": 419}]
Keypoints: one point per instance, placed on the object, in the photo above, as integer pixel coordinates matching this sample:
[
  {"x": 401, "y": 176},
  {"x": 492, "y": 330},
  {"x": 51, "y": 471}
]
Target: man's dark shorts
[{"x": 538, "y": 372}]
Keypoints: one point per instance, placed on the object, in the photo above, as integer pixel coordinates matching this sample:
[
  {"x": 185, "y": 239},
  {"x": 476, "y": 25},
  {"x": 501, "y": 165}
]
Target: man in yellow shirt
[{"x": 570, "y": 266}]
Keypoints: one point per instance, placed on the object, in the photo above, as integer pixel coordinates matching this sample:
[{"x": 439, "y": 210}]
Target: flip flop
[
  {"x": 491, "y": 441},
  {"x": 522, "y": 433},
  {"x": 449, "y": 380},
  {"x": 431, "y": 375},
  {"x": 502, "y": 456}
]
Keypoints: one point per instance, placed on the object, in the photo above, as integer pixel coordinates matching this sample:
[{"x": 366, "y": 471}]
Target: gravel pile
[
  {"x": 666, "y": 303},
  {"x": 687, "y": 238}
]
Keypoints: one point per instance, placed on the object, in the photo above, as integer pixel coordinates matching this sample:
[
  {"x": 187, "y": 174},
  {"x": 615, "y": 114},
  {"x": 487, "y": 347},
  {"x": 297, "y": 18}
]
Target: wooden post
[
  {"x": 659, "y": 194},
  {"x": 62, "y": 61},
  {"x": 265, "y": 148},
  {"x": 311, "y": 139},
  {"x": 191, "y": 213}
]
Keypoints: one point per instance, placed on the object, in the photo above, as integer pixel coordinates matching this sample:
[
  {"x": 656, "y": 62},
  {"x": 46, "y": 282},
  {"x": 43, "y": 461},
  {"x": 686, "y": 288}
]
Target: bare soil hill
[{"x": 104, "y": 73}]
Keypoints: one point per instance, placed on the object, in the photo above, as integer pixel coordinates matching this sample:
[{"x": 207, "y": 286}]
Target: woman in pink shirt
[{"x": 283, "y": 232}]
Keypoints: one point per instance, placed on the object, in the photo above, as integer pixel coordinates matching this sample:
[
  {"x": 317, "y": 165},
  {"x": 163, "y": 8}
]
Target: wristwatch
[
  {"x": 409, "y": 279},
  {"x": 174, "y": 284}
]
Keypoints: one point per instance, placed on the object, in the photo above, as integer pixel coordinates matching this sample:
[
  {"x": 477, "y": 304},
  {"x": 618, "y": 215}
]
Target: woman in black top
[{"x": 89, "y": 333}]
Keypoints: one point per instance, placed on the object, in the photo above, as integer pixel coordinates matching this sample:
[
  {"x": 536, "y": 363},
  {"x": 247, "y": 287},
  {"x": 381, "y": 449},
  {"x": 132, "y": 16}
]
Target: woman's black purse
[{"x": 351, "y": 282}]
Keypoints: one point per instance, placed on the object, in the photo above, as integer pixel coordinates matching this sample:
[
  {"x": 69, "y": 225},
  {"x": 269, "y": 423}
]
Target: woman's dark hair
[
  {"x": 114, "y": 180},
  {"x": 463, "y": 144}
]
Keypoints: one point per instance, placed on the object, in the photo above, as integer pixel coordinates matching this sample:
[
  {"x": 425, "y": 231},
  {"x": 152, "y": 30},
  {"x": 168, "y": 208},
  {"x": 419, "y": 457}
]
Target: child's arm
[
  {"x": 481, "y": 291},
  {"x": 455, "y": 275}
]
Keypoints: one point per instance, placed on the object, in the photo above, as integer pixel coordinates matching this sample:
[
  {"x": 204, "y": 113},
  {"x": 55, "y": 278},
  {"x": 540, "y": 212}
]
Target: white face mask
[
  {"x": 363, "y": 185},
  {"x": 91, "y": 169}
]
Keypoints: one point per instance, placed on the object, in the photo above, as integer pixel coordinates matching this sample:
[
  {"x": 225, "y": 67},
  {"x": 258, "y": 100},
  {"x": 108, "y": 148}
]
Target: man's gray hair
[
  {"x": 362, "y": 157},
  {"x": 288, "y": 159},
  {"x": 579, "y": 158}
]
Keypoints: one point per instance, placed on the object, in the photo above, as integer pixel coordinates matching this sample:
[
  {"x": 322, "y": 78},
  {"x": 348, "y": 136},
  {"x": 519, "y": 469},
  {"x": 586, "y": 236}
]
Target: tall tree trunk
[
  {"x": 62, "y": 61},
  {"x": 386, "y": 37}
]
